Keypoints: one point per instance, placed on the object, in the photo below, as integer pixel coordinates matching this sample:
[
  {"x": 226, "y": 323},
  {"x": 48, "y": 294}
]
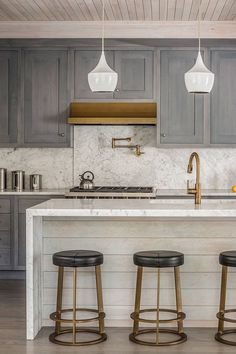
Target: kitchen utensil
[
  {"x": 3, "y": 179},
  {"x": 35, "y": 182},
  {"x": 87, "y": 180},
  {"x": 18, "y": 180}
]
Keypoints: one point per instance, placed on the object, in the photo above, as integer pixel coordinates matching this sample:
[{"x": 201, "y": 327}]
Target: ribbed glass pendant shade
[
  {"x": 102, "y": 78},
  {"x": 199, "y": 79}
]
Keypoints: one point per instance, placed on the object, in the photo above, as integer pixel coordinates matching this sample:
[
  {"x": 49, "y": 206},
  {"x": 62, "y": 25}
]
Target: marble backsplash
[{"x": 163, "y": 168}]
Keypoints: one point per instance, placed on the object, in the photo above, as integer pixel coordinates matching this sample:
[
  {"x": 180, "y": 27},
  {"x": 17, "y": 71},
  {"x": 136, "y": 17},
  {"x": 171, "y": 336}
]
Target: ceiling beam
[{"x": 116, "y": 29}]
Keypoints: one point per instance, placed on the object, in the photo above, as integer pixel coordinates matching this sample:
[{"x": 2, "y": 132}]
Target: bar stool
[
  {"x": 158, "y": 259},
  {"x": 77, "y": 259},
  {"x": 226, "y": 259}
]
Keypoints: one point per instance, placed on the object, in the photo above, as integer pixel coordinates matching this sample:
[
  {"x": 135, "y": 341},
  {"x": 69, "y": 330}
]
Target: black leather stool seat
[
  {"x": 158, "y": 259},
  {"x": 77, "y": 258},
  {"x": 228, "y": 258}
]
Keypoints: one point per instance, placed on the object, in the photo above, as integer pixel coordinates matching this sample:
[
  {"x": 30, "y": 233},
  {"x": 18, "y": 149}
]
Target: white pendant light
[
  {"x": 199, "y": 79},
  {"x": 102, "y": 78}
]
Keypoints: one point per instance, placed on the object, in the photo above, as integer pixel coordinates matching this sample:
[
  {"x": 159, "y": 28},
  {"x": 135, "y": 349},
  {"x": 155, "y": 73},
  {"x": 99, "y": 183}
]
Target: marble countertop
[
  {"x": 45, "y": 191},
  {"x": 134, "y": 208},
  {"x": 161, "y": 193}
]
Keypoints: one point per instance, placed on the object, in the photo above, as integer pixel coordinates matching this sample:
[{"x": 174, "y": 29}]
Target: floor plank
[{"x": 12, "y": 333}]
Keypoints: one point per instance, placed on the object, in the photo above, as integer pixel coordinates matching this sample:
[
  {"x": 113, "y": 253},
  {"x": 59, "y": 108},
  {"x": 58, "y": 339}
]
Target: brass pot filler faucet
[
  {"x": 197, "y": 190},
  {"x": 137, "y": 148}
]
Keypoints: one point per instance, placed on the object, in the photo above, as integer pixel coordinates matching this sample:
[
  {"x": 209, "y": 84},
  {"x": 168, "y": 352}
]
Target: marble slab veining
[
  {"x": 159, "y": 167},
  {"x": 133, "y": 208}
]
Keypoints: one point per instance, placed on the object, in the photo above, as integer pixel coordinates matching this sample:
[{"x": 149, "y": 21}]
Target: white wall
[{"x": 164, "y": 168}]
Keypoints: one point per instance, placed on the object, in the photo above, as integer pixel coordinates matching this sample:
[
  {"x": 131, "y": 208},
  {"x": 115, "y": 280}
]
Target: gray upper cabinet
[
  {"x": 84, "y": 62},
  {"x": 135, "y": 74},
  {"x": 223, "y": 103},
  {"x": 181, "y": 113},
  {"x": 134, "y": 68},
  {"x": 8, "y": 96},
  {"x": 46, "y": 97}
]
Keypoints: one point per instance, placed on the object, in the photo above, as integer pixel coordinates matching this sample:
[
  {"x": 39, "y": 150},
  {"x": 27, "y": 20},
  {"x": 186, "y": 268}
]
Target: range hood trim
[{"x": 113, "y": 113}]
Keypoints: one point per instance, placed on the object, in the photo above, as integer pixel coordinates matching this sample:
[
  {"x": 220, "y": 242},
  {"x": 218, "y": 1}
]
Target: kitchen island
[{"x": 118, "y": 228}]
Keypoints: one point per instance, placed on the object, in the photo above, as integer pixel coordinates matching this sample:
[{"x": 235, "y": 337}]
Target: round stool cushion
[
  {"x": 158, "y": 259},
  {"x": 228, "y": 258},
  {"x": 77, "y": 258}
]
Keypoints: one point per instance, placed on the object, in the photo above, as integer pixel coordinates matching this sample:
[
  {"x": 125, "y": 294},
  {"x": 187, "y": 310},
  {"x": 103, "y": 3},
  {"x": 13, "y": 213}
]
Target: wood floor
[{"x": 12, "y": 333}]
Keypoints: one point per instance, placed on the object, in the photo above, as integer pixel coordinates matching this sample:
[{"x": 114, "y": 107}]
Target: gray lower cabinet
[
  {"x": 6, "y": 233},
  {"x": 46, "y": 98},
  {"x": 134, "y": 68},
  {"x": 23, "y": 203},
  {"x": 9, "y": 84},
  {"x": 13, "y": 229},
  {"x": 223, "y": 103},
  {"x": 135, "y": 74},
  {"x": 181, "y": 113}
]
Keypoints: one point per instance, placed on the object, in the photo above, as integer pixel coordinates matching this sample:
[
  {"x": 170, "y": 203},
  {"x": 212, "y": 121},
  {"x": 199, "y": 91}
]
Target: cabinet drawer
[
  {"x": 4, "y": 239},
  {"x": 5, "y": 221},
  {"x": 28, "y": 203},
  {"x": 5, "y": 257},
  {"x": 5, "y": 206}
]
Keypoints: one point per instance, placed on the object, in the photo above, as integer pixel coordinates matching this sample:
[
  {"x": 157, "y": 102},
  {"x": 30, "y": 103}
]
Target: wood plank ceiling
[{"x": 116, "y": 10}]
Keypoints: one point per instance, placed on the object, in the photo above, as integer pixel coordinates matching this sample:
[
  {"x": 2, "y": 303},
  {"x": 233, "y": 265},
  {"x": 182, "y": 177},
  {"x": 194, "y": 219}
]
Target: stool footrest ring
[
  {"x": 182, "y": 337},
  {"x": 221, "y": 315},
  {"x": 180, "y": 316},
  {"x": 219, "y": 336},
  {"x": 56, "y": 316},
  {"x": 53, "y": 337}
]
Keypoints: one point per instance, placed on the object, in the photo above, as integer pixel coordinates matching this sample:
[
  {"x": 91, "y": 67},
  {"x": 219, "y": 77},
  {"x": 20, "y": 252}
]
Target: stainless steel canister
[
  {"x": 18, "y": 180},
  {"x": 3, "y": 179},
  {"x": 35, "y": 182}
]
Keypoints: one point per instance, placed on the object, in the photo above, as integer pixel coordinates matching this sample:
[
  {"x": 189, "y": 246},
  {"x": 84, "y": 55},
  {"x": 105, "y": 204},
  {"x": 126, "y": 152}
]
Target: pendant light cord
[
  {"x": 103, "y": 27},
  {"x": 199, "y": 23}
]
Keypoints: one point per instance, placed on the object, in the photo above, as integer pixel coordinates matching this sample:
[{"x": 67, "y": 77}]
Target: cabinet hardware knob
[
  {"x": 61, "y": 134},
  {"x": 117, "y": 90},
  {"x": 163, "y": 135}
]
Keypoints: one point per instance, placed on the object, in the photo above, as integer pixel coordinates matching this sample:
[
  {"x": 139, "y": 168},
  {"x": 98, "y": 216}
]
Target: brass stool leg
[
  {"x": 74, "y": 304},
  {"x": 158, "y": 305},
  {"x": 59, "y": 298},
  {"x": 99, "y": 298},
  {"x": 222, "y": 296},
  {"x": 178, "y": 297},
  {"x": 137, "y": 299}
]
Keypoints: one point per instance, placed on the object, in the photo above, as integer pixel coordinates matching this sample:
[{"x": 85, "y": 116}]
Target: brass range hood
[{"x": 113, "y": 113}]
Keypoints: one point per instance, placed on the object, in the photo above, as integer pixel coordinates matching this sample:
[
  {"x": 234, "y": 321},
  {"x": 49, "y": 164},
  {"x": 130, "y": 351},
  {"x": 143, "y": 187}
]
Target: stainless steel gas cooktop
[{"x": 112, "y": 192}]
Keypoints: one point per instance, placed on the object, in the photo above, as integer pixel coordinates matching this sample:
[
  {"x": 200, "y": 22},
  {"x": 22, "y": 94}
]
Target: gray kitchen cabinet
[
  {"x": 84, "y": 62},
  {"x": 135, "y": 74},
  {"x": 223, "y": 103},
  {"x": 6, "y": 233},
  {"x": 134, "y": 68},
  {"x": 8, "y": 96},
  {"x": 46, "y": 98},
  {"x": 181, "y": 113},
  {"x": 23, "y": 203}
]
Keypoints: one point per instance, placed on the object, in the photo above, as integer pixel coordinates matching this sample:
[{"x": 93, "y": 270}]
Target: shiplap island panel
[{"x": 118, "y": 228}]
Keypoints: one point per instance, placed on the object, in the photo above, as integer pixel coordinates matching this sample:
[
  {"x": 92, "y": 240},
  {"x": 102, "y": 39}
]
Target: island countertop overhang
[{"x": 134, "y": 208}]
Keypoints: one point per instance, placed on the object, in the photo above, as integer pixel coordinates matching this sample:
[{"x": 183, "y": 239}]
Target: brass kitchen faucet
[{"x": 197, "y": 190}]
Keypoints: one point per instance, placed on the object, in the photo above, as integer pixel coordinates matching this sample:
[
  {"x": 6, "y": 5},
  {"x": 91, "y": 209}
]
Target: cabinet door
[
  {"x": 223, "y": 102},
  {"x": 181, "y": 113},
  {"x": 20, "y": 249},
  {"x": 8, "y": 96},
  {"x": 135, "y": 74},
  {"x": 6, "y": 233},
  {"x": 45, "y": 97},
  {"x": 84, "y": 62}
]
